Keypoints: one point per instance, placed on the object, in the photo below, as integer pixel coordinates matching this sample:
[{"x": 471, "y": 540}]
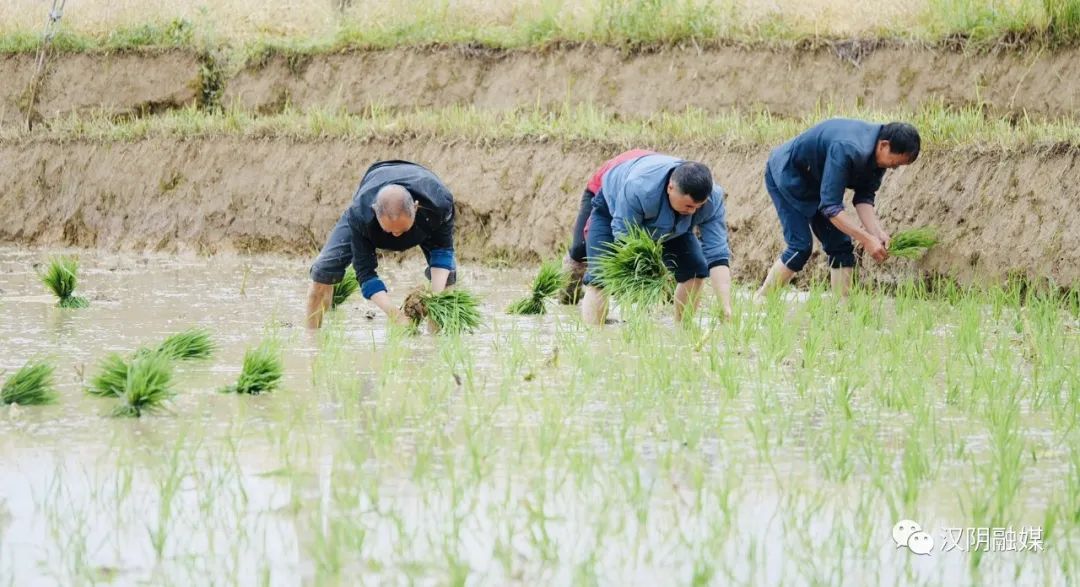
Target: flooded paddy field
[{"x": 781, "y": 447}]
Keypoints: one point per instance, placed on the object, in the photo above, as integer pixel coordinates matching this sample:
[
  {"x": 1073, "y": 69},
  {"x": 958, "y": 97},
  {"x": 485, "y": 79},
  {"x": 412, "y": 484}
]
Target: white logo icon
[
  {"x": 921, "y": 543},
  {"x": 909, "y": 533}
]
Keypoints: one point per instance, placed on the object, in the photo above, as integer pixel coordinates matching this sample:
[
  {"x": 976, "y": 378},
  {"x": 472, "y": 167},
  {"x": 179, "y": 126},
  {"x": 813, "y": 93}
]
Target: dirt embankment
[
  {"x": 783, "y": 81},
  {"x": 119, "y": 84},
  {"x": 788, "y": 82},
  {"x": 997, "y": 212}
]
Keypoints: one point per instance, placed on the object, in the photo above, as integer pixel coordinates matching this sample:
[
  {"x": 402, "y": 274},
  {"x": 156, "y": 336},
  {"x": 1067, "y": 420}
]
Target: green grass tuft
[
  {"x": 31, "y": 385},
  {"x": 633, "y": 271},
  {"x": 345, "y": 288},
  {"x": 549, "y": 281},
  {"x": 194, "y": 343},
  {"x": 262, "y": 370},
  {"x": 147, "y": 386},
  {"x": 913, "y": 244},
  {"x": 61, "y": 277}
]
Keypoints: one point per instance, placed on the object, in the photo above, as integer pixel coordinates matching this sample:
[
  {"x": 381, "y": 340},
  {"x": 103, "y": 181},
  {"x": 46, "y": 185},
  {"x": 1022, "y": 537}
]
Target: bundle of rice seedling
[
  {"x": 453, "y": 311},
  {"x": 112, "y": 374},
  {"x": 913, "y": 244},
  {"x": 194, "y": 343},
  {"x": 261, "y": 372},
  {"x": 111, "y": 377},
  {"x": 61, "y": 277},
  {"x": 549, "y": 281},
  {"x": 147, "y": 386},
  {"x": 633, "y": 271},
  {"x": 30, "y": 386},
  {"x": 345, "y": 288}
]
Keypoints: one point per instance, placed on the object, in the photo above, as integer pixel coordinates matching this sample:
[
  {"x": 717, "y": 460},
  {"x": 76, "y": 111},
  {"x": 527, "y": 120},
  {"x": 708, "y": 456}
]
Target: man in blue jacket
[
  {"x": 399, "y": 205},
  {"x": 669, "y": 197},
  {"x": 806, "y": 178}
]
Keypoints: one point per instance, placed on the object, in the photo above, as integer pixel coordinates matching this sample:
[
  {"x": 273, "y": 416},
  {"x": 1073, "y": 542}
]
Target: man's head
[
  {"x": 898, "y": 144},
  {"x": 689, "y": 187},
  {"x": 395, "y": 209}
]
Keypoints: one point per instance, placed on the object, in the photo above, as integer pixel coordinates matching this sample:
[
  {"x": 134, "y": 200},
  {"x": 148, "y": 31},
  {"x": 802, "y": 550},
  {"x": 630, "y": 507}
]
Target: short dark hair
[
  {"x": 903, "y": 139},
  {"x": 693, "y": 179}
]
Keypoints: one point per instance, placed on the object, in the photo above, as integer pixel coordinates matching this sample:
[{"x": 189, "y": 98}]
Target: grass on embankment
[
  {"x": 255, "y": 28},
  {"x": 941, "y": 128}
]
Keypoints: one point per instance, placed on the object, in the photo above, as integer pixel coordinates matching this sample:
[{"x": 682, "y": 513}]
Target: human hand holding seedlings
[
  {"x": 869, "y": 242},
  {"x": 393, "y": 314}
]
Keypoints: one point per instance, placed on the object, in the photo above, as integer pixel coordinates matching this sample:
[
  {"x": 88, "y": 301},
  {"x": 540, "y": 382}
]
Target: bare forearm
[
  {"x": 318, "y": 301},
  {"x": 720, "y": 276},
  {"x": 439, "y": 277},
  {"x": 383, "y": 301},
  {"x": 846, "y": 226},
  {"x": 868, "y": 216}
]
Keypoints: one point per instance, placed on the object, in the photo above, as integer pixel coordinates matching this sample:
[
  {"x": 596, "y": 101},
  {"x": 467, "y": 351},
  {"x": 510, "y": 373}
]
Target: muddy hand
[{"x": 876, "y": 250}]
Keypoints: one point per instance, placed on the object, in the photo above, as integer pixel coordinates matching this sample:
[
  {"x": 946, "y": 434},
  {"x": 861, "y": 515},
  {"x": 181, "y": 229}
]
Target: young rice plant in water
[
  {"x": 148, "y": 385},
  {"x": 262, "y": 370},
  {"x": 61, "y": 277},
  {"x": 194, "y": 343},
  {"x": 30, "y": 386},
  {"x": 549, "y": 281}
]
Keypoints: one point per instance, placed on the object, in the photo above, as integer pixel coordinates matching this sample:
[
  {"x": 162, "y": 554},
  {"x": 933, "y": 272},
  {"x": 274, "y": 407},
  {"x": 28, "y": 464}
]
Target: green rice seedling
[
  {"x": 111, "y": 378},
  {"x": 549, "y": 281},
  {"x": 262, "y": 370},
  {"x": 194, "y": 343},
  {"x": 633, "y": 270},
  {"x": 913, "y": 244},
  {"x": 453, "y": 311},
  {"x": 345, "y": 288},
  {"x": 32, "y": 385},
  {"x": 147, "y": 386},
  {"x": 61, "y": 277}
]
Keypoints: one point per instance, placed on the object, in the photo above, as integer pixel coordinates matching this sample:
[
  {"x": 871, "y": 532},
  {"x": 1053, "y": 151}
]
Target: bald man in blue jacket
[
  {"x": 671, "y": 198},
  {"x": 806, "y": 178}
]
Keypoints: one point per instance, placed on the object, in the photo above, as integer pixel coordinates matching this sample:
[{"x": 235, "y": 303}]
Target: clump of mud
[{"x": 413, "y": 307}]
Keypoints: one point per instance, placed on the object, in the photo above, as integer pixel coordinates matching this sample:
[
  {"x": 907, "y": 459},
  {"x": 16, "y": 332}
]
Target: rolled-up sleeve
[
  {"x": 834, "y": 180},
  {"x": 441, "y": 243},
  {"x": 714, "y": 237},
  {"x": 365, "y": 262}
]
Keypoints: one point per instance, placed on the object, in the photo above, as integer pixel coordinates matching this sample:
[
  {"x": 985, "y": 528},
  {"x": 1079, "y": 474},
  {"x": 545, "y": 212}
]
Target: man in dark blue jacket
[
  {"x": 806, "y": 178},
  {"x": 670, "y": 198},
  {"x": 399, "y": 205}
]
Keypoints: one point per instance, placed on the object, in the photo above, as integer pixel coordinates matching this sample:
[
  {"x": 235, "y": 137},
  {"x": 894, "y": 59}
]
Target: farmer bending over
[
  {"x": 806, "y": 178},
  {"x": 574, "y": 261},
  {"x": 668, "y": 197},
  {"x": 398, "y": 205}
]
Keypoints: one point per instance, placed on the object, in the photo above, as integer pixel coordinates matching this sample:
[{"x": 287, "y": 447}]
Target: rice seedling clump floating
[
  {"x": 549, "y": 281},
  {"x": 32, "y": 385},
  {"x": 194, "y": 343},
  {"x": 262, "y": 370},
  {"x": 61, "y": 277},
  {"x": 632, "y": 270},
  {"x": 148, "y": 385},
  {"x": 453, "y": 311},
  {"x": 913, "y": 244}
]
